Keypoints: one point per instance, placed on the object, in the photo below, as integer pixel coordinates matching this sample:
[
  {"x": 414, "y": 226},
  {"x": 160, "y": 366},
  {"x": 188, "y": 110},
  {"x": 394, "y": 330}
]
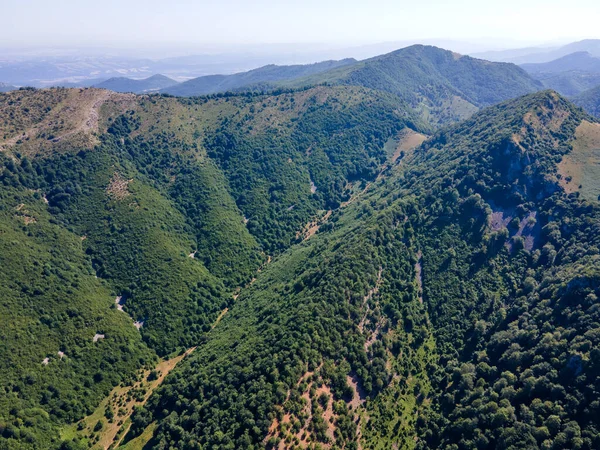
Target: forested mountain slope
[
  {"x": 443, "y": 86},
  {"x": 151, "y": 211},
  {"x": 453, "y": 305},
  {"x": 379, "y": 292}
]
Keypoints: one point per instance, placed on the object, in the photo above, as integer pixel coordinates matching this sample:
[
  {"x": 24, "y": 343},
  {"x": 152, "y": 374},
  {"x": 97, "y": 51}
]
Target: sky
[{"x": 220, "y": 23}]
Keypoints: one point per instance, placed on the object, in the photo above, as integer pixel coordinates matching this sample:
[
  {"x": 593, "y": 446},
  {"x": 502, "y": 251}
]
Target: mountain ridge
[{"x": 253, "y": 79}]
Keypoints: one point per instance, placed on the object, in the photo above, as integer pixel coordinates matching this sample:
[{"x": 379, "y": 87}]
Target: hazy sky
[{"x": 197, "y": 22}]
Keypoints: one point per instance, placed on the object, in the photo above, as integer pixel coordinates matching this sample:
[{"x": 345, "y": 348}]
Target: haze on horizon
[{"x": 145, "y": 24}]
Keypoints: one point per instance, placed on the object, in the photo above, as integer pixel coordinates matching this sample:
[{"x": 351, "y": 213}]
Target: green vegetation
[
  {"x": 52, "y": 307},
  {"x": 473, "y": 362},
  {"x": 442, "y": 86},
  {"x": 569, "y": 75},
  {"x": 156, "y": 212},
  {"x": 450, "y": 302}
]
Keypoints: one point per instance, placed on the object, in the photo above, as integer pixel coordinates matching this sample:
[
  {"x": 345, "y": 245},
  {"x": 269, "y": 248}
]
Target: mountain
[
  {"x": 260, "y": 78},
  {"x": 150, "y": 84},
  {"x": 322, "y": 266},
  {"x": 568, "y": 75},
  {"x": 443, "y": 86},
  {"x": 512, "y": 54},
  {"x": 590, "y": 101},
  {"x": 542, "y": 55},
  {"x": 5, "y": 87},
  {"x": 297, "y": 270},
  {"x": 440, "y": 85},
  {"x": 454, "y": 304},
  {"x": 129, "y": 225}
]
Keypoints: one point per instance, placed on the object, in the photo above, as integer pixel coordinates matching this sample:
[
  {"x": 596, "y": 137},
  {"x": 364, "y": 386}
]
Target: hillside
[
  {"x": 150, "y": 84},
  {"x": 590, "y": 101},
  {"x": 453, "y": 305},
  {"x": 309, "y": 268},
  {"x": 579, "y": 61},
  {"x": 131, "y": 223},
  {"x": 263, "y": 78}
]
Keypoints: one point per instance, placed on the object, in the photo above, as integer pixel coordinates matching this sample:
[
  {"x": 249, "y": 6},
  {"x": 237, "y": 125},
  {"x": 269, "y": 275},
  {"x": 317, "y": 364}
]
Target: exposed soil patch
[
  {"x": 296, "y": 429},
  {"x": 408, "y": 140},
  {"x": 72, "y": 120},
  {"x": 312, "y": 227},
  {"x": 118, "y": 188}
]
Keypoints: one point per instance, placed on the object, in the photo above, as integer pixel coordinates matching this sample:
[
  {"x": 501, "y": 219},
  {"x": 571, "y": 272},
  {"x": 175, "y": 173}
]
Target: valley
[{"x": 395, "y": 253}]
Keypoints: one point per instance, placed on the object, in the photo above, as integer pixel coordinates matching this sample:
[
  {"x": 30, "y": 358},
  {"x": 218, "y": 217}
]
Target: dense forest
[
  {"x": 334, "y": 281},
  {"x": 467, "y": 300}
]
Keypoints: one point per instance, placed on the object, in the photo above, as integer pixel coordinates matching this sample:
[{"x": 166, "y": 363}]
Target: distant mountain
[
  {"x": 444, "y": 86},
  {"x": 589, "y": 100},
  {"x": 263, "y": 77},
  {"x": 151, "y": 84},
  {"x": 541, "y": 55},
  {"x": 5, "y": 87},
  {"x": 510, "y": 55},
  {"x": 568, "y": 75},
  {"x": 581, "y": 61}
]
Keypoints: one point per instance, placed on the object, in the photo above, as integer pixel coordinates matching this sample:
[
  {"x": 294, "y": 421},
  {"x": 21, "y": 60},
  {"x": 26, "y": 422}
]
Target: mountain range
[
  {"x": 589, "y": 100},
  {"x": 401, "y": 252},
  {"x": 443, "y": 86},
  {"x": 263, "y": 76}
]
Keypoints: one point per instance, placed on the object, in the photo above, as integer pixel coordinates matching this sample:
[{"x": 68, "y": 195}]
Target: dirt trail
[{"x": 358, "y": 399}]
